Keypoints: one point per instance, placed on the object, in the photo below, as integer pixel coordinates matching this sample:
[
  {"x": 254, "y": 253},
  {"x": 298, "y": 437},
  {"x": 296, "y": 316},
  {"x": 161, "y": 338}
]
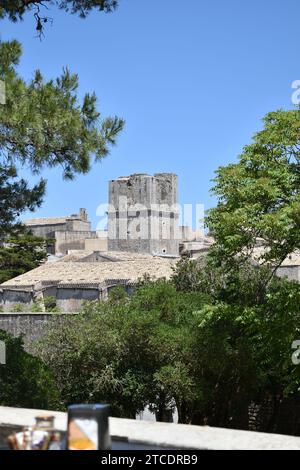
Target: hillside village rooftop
[{"x": 74, "y": 273}]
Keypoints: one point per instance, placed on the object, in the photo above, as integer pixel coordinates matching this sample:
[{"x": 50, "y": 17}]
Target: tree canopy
[
  {"x": 20, "y": 254},
  {"x": 16, "y": 9},
  {"x": 16, "y": 196},
  {"x": 129, "y": 352},
  {"x": 259, "y": 196},
  {"x": 166, "y": 348},
  {"x": 24, "y": 380},
  {"x": 43, "y": 122}
]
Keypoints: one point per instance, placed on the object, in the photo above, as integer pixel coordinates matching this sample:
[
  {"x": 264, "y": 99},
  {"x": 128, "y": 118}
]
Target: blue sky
[{"x": 191, "y": 78}]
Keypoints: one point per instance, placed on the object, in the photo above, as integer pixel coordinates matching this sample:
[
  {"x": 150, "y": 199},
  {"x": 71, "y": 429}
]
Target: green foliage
[
  {"x": 245, "y": 284},
  {"x": 167, "y": 348},
  {"x": 24, "y": 380},
  {"x": 16, "y": 9},
  {"x": 247, "y": 352},
  {"x": 43, "y": 124},
  {"x": 50, "y": 304},
  {"x": 36, "y": 307},
  {"x": 117, "y": 295},
  {"x": 259, "y": 196},
  {"x": 16, "y": 197},
  {"x": 20, "y": 254},
  {"x": 119, "y": 351},
  {"x": 59, "y": 130},
  {"x": 47, "y": 304},
  {"x": 17, "y": 308},
  {"x": 230, "y": 375}
]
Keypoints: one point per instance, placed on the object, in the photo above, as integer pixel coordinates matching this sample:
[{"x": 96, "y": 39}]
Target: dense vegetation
[
  {"x": 163, "y": 348},
  {"x": 24, "y": 380},
  {"x": 259, "y": 196},
  {"x": 21, "y": 254}
]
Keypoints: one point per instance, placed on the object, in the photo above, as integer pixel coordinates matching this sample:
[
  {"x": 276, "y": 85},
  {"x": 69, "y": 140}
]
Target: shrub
[
  {"x": 25, "y": 381},
  {"x": 18, "y": 308}
]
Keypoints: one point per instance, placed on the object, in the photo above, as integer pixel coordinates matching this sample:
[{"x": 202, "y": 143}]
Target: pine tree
[
  {"x": 16, "y": 9},
  {"x": 42, "y": 124},
  {"x": 21, "y": 254}
]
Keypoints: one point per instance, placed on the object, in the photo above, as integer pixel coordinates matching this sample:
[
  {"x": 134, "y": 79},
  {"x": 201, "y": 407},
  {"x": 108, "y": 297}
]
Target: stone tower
[{"x": 143, "y": 214}]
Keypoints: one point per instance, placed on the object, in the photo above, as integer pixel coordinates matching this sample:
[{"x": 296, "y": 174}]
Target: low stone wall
[
  {"x": 9, "y": 298},
  {"x": 72, "y": 240},
  {"x": 30, "y": 325},
  {"x": 70, "y": 299}
]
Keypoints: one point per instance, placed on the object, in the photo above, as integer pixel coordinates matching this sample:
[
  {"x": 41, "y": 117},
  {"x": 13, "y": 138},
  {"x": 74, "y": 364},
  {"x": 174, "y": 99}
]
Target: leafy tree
[
  {"x": 246, "y": 357},
  {"x": 259, "y": 196},
  {"x": 21, "y": 254},
  {"x": 166, "y": 348},
  {"x": 19, "y": 251},
  {"x": 24, "y": 380},
  {"x": 51, "y": 304},
  {"x": 123, "y": 351},
  {"x": 230, "y": 375},
  {"x": 245, "y": 284}
]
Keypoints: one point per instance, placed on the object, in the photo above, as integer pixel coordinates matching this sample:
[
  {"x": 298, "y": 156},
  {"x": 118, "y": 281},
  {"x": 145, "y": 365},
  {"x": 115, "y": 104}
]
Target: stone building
[
  {"x": 67, "y": 233},
  {"x": 143, "y": 240},
  {"x": 143, "y": 214},
  {"x": 79, "y": 277}
]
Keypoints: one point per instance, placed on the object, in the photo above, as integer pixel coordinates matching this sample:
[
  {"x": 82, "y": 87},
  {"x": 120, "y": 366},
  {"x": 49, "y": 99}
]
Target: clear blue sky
[{"x": 192, "y": 78}]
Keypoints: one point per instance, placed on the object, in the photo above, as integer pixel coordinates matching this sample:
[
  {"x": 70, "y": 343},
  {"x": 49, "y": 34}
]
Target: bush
[
  {"x": 118, "y": 351},
  {"x": 25, "y": 381},
  {"x": 50, "y": 304},
  {"x": 163, "y": 348},
  {"x": 36, "y": 307},
  {"x": 244, "y": 284},
  {"x": 18, "y": 308}
]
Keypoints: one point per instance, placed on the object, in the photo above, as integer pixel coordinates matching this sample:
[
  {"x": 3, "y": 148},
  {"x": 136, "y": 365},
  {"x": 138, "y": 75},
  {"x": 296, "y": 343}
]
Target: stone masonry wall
[
  {"x": 69, "y": 240},
  {"x": 290, "y": 272},
  {"x": 143, "y": 215},
  {"x": 30, "y": 325}
]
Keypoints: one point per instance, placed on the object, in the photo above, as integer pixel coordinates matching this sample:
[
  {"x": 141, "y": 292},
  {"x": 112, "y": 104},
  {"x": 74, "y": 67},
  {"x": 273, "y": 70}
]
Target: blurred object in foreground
[
  {"x": 41, "y": 436},
  {"x": 88, "y": 427}
]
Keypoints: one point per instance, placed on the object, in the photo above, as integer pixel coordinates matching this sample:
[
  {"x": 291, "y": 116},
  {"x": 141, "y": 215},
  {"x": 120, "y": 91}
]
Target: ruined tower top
[{"x": 143, "y": 214}]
